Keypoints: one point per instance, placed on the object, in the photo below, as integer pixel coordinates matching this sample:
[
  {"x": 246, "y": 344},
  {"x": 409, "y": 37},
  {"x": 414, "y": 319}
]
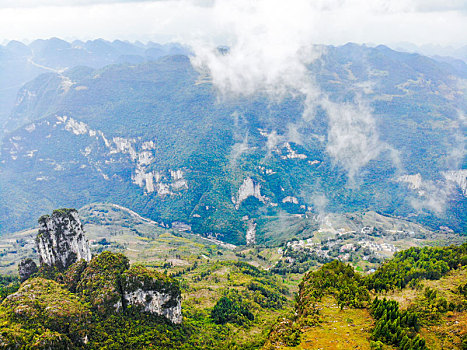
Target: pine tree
[{"x": 405, "y": 340}]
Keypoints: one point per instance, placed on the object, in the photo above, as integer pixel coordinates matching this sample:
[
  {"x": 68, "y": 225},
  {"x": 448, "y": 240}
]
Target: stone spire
[{"x": 61, "y": 240}]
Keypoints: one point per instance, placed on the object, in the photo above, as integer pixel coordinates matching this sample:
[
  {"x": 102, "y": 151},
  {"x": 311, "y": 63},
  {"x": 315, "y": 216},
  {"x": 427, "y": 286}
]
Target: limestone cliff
[
  {"x": 152, "y": 292},
  {"x": 110, "y": 285},
  {"x": 251, "y": 233},
  {"x": 106, "y": 282},
  {"x": 61, "y": 240},
  {"x": 458, "y": 177},
  {"x": 249, "y": 188},
  {"x": 26, "y": 269}
]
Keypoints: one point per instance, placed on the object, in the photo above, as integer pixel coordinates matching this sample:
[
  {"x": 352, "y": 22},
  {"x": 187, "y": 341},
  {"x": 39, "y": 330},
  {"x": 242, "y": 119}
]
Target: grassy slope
[
  {"x": 447, "y": 332},
  {"x": 205, "y": 285},
  {"x": 351, "y": 328},
  {"x": 340, "y": 329},
  {"x": 336, "y": 331}
]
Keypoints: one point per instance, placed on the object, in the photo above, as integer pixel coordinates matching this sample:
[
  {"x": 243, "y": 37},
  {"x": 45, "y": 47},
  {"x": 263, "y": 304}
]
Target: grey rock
[
  {"x": 156, "y": 303},
  {"x": 26, "y": 268},
  {"x": 152, "y": 293},
  {"x": 61, "y": 240}
]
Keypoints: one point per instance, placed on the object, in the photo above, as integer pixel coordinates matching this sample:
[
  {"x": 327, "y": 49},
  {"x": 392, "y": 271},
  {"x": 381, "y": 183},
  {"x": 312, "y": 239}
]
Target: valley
[
  {"x": 363, "y": 239},
  {"x": 230, "y": 297}
]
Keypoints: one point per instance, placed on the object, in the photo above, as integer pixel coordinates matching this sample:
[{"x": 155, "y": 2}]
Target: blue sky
[{"x": 439, "y": 22}]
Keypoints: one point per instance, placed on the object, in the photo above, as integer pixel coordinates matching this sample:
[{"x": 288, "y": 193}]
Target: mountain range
[{"x": 139, "y": 126}]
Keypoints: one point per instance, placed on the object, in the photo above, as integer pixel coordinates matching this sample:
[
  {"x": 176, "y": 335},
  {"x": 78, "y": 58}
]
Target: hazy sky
[{"x": 442, "y": 22}]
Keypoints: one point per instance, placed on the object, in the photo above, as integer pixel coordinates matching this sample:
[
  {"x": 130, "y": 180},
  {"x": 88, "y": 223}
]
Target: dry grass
[
  {"x": 340, "y": 329},
  {"x": 447, "y": 333}
]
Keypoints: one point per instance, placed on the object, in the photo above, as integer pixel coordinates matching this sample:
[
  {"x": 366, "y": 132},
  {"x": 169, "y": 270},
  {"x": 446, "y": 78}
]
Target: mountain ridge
[{"x": 183, "y": 130}]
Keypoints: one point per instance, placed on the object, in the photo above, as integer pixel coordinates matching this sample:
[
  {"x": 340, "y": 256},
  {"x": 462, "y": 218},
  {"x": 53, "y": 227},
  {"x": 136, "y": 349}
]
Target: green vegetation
[
  {"x": 78, "y": 308},
  {"x": 8, "y": 285},
  {"x": 396, "y": 327},
  {"x": 114, "y": 228},
  {"x": 234, "y": 305},
  {"x": 417, "y": 263},
  {"x": 201, "y": 137},
  {"x": 230, "y": 304},
  {"x": 336, "y": 279},
  {"x": 430, "y": 282},
  {"x": 231, "y": 308},
  {"x": 43, "y": 310},
  {"x": 101, "y": 280}
]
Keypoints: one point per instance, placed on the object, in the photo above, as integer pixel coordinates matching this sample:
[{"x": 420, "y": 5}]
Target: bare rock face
[
  {"x": 61, "y": 241},
  {"x": 152, "y": 292},
  {"x": 110, "y": 286},
  {"x": 26, "y": 269},
  {"x": 249, "y": 188},
  {"x": 251, "y": 233}
]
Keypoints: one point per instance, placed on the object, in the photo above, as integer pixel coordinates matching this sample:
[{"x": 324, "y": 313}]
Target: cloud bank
[
  {"x": 269, "y": 54},
  {"x": 334, "y": 21}
]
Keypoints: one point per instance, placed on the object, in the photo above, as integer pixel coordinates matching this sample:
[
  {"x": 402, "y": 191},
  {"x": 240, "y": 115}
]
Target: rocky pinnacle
[{"x": 61, "y": 240}]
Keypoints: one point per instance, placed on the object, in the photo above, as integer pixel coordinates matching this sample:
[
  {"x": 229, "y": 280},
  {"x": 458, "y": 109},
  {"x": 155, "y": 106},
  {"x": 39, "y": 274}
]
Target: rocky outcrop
[
  {"x": 61, "y": 240},
  {"x": 156, "y": 303},
  {"x": 152, "y": 292},
  {"x": 414, "y": 182},
  {"x": 100, "y": 281},
  {"x": 44, "y": 304},
  {"x": 26, "y": 269},
  {"x": 290, "y": 199},
  {"x": 249, "y": 188},
  {"x": 458, "y": 177},
  {"x": 251, "y": 233},
  {"x": 106, "y": 282},
  {"x": 110, "y": 285}
]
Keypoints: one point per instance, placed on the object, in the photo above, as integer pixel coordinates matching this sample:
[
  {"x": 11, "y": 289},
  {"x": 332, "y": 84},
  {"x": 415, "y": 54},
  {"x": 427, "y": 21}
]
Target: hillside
[
  {"x": 183, "y": 291},
  {"x": 154, "y": 137},
  {"x": 74, "y": 301},
  {"x": 414, "y": 301},
  {"x": 21, "y": 63}
]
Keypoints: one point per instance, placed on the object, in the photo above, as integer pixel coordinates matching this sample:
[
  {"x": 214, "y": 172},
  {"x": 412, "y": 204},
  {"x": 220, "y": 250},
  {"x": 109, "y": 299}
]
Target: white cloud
[
  {"x": 161, "y": 21},
  {"x": 332, "y": 21},
  {"x": 353, "y": 139},
  {"x": 270, "y": 47},
  {"x": 45, "y": 3},
  {"x": 269, "y": 53}
]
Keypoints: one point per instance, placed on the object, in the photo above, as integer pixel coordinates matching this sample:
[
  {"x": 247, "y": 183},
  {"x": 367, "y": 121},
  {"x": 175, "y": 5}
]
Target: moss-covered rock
[
  {"x": 45, "y": 306},
  {"x": 100, "y": 282},
  {"x": 109, "y": 284},
  {"x": 50, "y": 273},
  {"x": 141, "y": 277},
  {"x": 152, "y": 292},
  {"x": 26, "y": 268},
  {"x": 72, "y": 275}
]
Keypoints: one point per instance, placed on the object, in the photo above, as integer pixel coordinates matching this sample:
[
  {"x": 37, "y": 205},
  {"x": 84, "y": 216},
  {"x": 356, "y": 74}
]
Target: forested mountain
[
  {"x": 153, "y": 135},
  {"x": 20, "y": 63}
]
